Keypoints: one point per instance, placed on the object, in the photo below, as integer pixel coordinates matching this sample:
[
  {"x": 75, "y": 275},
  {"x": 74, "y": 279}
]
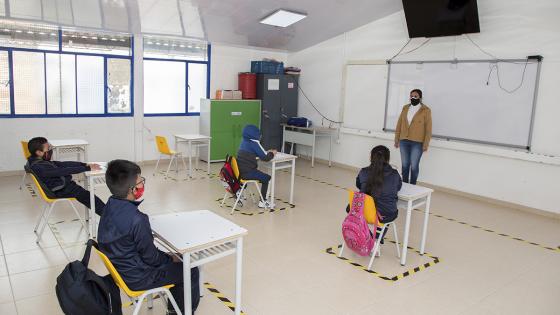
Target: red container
[{"x": 247, "y": 83}]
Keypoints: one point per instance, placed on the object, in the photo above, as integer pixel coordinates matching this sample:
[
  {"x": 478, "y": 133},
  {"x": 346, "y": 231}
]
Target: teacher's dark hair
[
  {"x": 121, "y": 176},
  {"x": 379, "y": 157},
  {"x": 417, "y": 91}
]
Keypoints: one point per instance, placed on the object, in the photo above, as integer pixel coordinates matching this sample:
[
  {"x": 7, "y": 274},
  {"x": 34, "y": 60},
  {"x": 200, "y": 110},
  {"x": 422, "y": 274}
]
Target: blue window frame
[
  {"x": 111, "y": 88},
  {"x": 175, "y": 77}
]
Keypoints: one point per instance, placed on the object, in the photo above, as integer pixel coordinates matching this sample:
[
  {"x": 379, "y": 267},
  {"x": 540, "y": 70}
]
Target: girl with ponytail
[{"x": 382, "y": 182}]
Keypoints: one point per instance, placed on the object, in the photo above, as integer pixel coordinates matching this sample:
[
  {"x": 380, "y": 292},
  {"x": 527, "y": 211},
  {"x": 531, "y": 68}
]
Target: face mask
[
  {"x": 48, "y": 155},
  {"x": 138, "y": 193},
  {"x": 414, "y": 101}
]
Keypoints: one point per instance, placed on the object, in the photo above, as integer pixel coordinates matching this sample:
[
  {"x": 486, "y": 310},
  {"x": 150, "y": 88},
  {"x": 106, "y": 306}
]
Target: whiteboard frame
[{"x": 535, "y": 94}]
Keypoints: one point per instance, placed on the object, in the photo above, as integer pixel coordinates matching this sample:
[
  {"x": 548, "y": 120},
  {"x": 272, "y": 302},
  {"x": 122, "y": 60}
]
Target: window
[
  {"x": 63, "y": 73},
  {"x": 175, "y": 76}
]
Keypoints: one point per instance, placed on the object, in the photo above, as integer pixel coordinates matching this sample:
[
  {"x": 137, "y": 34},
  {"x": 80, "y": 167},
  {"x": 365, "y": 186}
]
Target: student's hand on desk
[
  {"x": 94, "y": 167},
  {"x": 273, "y": 151},
  {"x": 174, "y": 257}
]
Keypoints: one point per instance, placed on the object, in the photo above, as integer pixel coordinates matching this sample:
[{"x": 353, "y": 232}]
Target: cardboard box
[{"x": 228, "y": 95}]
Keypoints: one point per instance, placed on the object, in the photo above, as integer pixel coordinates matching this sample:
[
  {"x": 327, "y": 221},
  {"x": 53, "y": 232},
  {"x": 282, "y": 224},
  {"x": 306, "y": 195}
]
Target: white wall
[
  {"x": 112, "y": 137},
  {"x": 509, "y": 29}
]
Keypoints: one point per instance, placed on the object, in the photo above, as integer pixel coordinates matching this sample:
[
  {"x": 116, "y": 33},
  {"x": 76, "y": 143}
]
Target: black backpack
[{"x": 81, "y": 291}]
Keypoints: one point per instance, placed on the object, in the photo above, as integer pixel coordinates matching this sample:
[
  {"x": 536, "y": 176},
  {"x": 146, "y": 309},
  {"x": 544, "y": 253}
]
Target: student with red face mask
[
  {"x": 125, "y": 236},
  {"x": 56, "y": 176}
]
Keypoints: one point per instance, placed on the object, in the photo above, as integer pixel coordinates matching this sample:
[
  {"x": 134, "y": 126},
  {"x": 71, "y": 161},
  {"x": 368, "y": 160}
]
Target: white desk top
[
  {"x": 282, "y": 157},
  {"x": 411, "y": 192},
  {"x": 194, "y": 230},
  {"x": 68, "y": 142},
  {"x": 98, "y": 172},
  {"x": 188, "y": 137},
  {"x": 316, "y": 128}
]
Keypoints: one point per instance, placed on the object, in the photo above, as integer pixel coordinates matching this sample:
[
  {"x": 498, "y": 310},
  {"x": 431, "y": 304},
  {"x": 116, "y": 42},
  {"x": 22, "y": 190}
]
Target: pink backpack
[{"x": 355, "y": 230}]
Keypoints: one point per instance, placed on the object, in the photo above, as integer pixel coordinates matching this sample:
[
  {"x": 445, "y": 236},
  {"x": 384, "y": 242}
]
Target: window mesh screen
[{"x": 29, "y": 82}]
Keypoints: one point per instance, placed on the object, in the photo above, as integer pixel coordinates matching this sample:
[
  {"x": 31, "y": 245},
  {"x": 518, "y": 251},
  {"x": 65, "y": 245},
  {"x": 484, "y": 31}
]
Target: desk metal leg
[
  {"x": 190, "y": 158},
  {"x": 272, "y": 181},
  {"x": 406, "y": 232},
  {"x": 238, "y": 275},
  {"x": 208, "y": 156},
  {"x": 425, "y": 228},
  {"x": 330, "y": 150},
  {"x": 313, "y": 149},
  {"x": 187, "y": 283},
  {"x": 91, "y": 211},
  {"x": 293, "y": 180}
]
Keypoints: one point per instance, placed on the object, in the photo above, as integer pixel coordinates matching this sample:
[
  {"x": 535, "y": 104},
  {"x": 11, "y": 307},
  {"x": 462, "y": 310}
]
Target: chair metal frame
[{"x": 163, "y": 149}]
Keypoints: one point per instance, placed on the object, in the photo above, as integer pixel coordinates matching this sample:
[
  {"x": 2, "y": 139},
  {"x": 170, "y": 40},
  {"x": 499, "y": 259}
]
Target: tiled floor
[{"x": 286, "y": 269}]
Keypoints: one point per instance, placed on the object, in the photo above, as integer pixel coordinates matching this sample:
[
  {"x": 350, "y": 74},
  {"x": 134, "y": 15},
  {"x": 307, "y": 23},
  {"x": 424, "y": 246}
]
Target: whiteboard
[
  {"x": 464, "y": 106},
  {"x": 364, "y": 96}
]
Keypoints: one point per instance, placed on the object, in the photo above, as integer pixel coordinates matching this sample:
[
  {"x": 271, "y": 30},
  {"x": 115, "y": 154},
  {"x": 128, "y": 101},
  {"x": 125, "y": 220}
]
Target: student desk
[
  {"x": 306, "y": 136},
  {"x": 279, "y": 162},
  {"x": 410, "y": 197},
  {"x": 198, "y": 141},
  {"x": 93, "y": 179},
  {"x": 77, "y": 146},
  {"x": 201, "y": 237}
]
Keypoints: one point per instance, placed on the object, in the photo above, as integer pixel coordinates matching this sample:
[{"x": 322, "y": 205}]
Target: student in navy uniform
[
  {"x": 125, "y": 236},
  {"x": 382, "y": 182},
  {"x": 57, "y": 175},
  {"x": 249, "y": 150}
]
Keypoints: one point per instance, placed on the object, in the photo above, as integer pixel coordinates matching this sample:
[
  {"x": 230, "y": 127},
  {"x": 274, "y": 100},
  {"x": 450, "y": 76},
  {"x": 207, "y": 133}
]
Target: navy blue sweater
[
  {"x": 55, "y": 173},
  {"x": 250, "y": 149},
  {"x": 125, "y": 236},
  {"x": 386, "y": 198}
]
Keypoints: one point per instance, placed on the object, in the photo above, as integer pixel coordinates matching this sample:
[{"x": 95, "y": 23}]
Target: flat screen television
[{"x": 433, "y": 18}]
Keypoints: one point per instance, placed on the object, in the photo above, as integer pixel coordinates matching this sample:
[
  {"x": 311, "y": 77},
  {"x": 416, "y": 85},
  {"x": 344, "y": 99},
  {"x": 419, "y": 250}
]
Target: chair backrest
[
  {"x": 25, "y": 149},
  {"x": 162, "y": 145},
  {"x": 234, "y": 166},
  {"x": 115, "y": 275},
  {"x": 370, "y": 211},
  {"x": 42, "y": 193}
]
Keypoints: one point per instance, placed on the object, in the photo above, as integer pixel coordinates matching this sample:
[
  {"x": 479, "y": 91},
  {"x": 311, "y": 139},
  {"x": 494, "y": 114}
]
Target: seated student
[
  {"x": 249, "y": 150},
  {"x": 125, "y": 236},
  {"x": 382, "y": 182},
  {"x": 57, "y": 175}
]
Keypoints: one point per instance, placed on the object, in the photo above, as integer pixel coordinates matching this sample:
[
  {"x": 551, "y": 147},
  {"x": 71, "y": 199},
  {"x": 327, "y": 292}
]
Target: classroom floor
[{"x": 286, "y": 267}]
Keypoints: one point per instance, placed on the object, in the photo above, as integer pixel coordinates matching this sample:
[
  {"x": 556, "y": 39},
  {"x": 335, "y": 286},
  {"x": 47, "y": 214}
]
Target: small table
[
  {"x": 201, "y": 237},
  {"x": 306, "y": 136},
  {"x": 198, "y": 141},
  {"x": 410, "y": 197},
  {"x": 282, "y": 161},
  {"x": 93, "y": 179},
  {"x": 77, "y": 146}
]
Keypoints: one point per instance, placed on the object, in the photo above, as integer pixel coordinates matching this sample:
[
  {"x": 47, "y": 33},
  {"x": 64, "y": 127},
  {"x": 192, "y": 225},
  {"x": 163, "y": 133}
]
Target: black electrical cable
[
  {"x": 400, "y": 50},
  {"x": 314, "y": 107},
  {"x": 419, "y": 46}
]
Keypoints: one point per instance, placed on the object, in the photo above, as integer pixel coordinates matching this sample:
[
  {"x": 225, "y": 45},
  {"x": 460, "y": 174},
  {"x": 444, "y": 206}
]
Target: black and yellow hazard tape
[
  {"x": 188, "y": 178},
  {"x": 31, "y": 190},
  {"x": 229, "y": 304},
  {"x": 434, "y": 260},
  {"x": 453, "y": 220},
  {"x": 286, "y": 205}
]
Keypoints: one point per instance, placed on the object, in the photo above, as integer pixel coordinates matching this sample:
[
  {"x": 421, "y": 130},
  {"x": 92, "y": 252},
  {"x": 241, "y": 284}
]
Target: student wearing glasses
[{"x": 125, "y": 237}]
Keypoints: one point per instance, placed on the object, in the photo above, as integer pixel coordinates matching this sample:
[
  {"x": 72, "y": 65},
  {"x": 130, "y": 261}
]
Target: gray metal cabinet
[{"x": 279, "y": 100}]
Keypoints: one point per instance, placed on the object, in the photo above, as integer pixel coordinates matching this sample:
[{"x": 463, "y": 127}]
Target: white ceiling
[{"x": 224, "y": 21}]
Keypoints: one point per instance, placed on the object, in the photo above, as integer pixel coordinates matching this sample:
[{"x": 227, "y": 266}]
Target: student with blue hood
[{"x": 249, "y": 150}]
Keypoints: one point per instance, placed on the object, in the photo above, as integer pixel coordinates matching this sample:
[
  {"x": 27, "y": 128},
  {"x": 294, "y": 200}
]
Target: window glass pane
[
  {"x": 164, "y": 87},
  {"x": 175, "y": 48},
  {"x": 118, "y": 84},
  {"x": 28, "y": 35},
  {"x": 29, "y": 82},
  {"x": 4, "y": 83},
  {"x": 100, "y": 43},
  {"x": 61, "y": 84},
  {"x": 197, "y": 85},
  {"x": 90, "y": 79}
]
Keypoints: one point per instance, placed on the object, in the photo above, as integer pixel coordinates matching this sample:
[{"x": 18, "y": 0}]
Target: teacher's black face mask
[{"x": 414, "y": 101}]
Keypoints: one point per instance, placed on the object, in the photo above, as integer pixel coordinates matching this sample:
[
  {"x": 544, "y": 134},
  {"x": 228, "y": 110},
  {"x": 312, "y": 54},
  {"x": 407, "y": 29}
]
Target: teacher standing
[{"x": 413, "y": 134}]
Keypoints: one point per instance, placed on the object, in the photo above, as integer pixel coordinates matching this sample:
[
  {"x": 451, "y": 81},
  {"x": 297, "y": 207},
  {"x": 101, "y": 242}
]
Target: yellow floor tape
[{"x": 221, "y": 297}]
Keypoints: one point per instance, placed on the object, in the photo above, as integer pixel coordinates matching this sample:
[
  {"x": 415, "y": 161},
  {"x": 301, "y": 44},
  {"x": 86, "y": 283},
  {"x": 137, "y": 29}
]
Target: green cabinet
[{"x": 223, "y": 120}]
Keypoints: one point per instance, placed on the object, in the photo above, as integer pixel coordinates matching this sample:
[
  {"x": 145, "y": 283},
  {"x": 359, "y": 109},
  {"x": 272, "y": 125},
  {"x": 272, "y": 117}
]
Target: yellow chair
[
  {"x": 244, "y": 184},
  {"x": 137, "y": 297},
  {"x": 163, "y": 149},
  {"x": 26, "y": 154},
  {"x": 370, "y": 214},
  {"x": 48, "y": 208}
]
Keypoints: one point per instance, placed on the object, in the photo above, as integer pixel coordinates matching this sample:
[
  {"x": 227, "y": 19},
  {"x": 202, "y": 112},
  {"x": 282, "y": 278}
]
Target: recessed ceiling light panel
[{"x": 283, "y": 18}]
